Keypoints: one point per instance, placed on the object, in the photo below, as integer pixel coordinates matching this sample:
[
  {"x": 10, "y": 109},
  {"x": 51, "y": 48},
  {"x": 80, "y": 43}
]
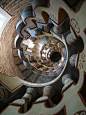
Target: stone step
[
  {"x": 21, "y": 67},
  {"x": 17, "y": 60},
  {"x": 17, "y": 42},
  {"x": 36, "y": 3},
  {"x": 15, "y": 52},
  {"x": 26, "y": 73},
  {"x": 27, "y": 12},
  {"x": 37, "y": 77},
  {"x": 32, "y": 77},
  {"x": 13, "y": 46}
]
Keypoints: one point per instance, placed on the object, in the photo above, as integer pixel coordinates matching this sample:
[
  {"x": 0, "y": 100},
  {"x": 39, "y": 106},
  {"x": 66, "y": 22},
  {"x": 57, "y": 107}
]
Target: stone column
[
  {"x": 48, "y": 93},
  {"x": 47, "y": 27},
  {"x": 3, "y": 92},
  {"x": 58, "y": 29},
  {"x": 67, "y": 81},
  {"x": 28, "y": 96},
  {"x": 73, "y": 60},
  {"x": 38, "y": 31},
  {"x": 70, "y": 39}
]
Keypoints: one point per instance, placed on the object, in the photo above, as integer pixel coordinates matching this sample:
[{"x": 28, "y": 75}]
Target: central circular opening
[{"x": 55, "y": 57}]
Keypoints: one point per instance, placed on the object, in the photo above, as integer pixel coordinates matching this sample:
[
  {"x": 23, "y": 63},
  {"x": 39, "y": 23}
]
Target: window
[{"x": 4, "y": 18}]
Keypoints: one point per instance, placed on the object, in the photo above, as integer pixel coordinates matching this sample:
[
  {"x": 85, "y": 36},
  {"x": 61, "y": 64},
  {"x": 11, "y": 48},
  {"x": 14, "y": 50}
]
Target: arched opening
[
  {"x": 45, "y": 16},
  {"x": 34, "y": 21},
  {"x": 62, "y": 15}
]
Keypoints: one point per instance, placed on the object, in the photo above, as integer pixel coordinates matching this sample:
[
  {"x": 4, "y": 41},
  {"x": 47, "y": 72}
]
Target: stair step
[
  {"x": 21, "y": 55},
  {"x": 17, "y": 60},
  {"x": 27, "y": 72},
  {"x": 27, "y": 12},
  {"x": 26, "y": 64},
  {"x": 32, "y": 77},
  {"x": 13, "y": 46},
  {"x": 37, "y": 77},
  {"x": 40, "y": 3},
  {"x": 17, "y": 42},
  {"x": 44, "y": 79},
  {"x": 15, "y": 52},
  {"x": 21, "y": 67}
]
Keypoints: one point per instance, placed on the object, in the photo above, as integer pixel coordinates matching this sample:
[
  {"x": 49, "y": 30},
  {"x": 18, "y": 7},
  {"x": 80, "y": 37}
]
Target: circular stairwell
[{"x": 34, "y": 68}]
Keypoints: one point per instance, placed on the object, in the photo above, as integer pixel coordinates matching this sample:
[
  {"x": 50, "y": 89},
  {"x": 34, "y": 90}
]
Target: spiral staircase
[
  {"x": 38, "y": 41},
  {"x": 46, "y": 51}
]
